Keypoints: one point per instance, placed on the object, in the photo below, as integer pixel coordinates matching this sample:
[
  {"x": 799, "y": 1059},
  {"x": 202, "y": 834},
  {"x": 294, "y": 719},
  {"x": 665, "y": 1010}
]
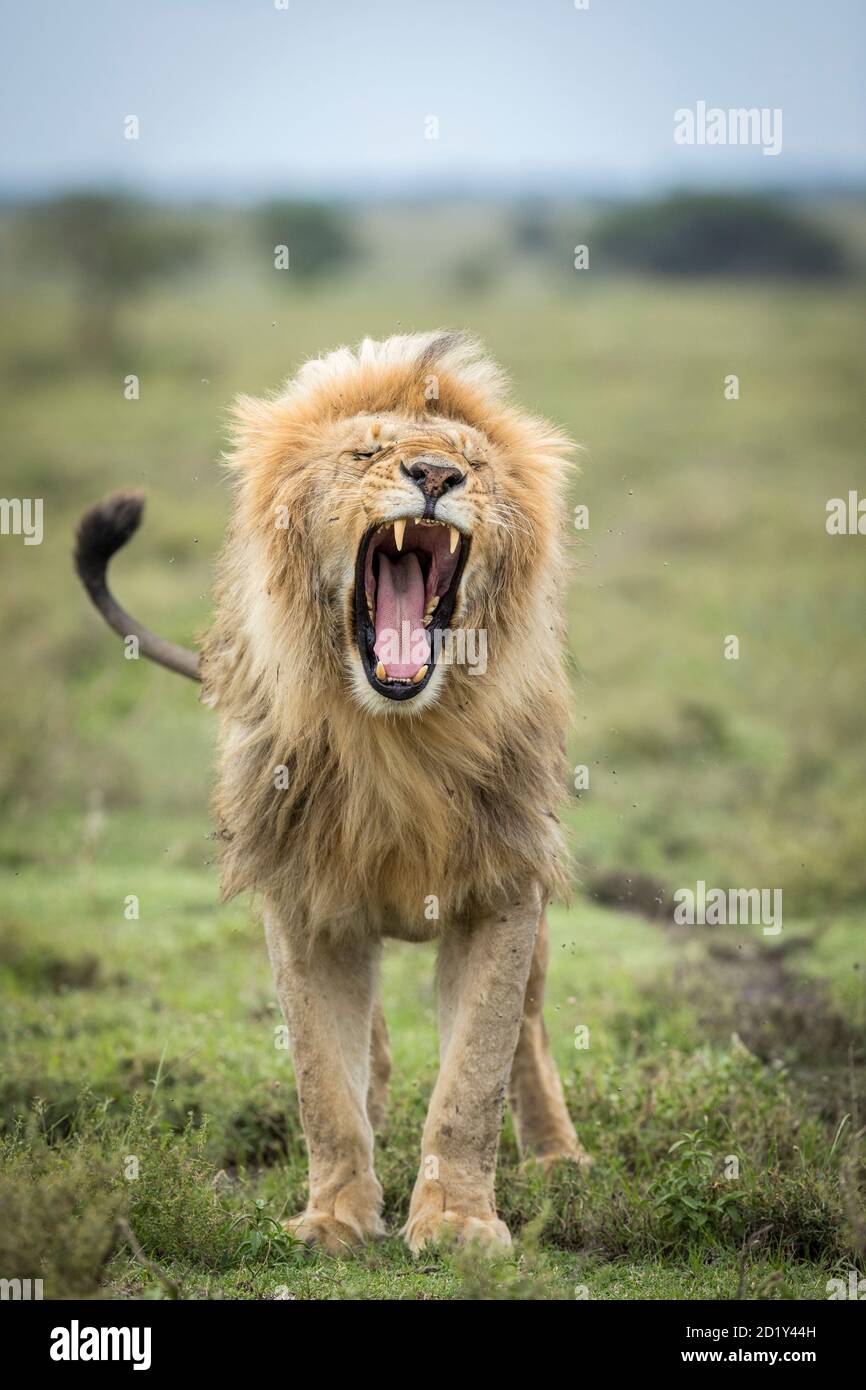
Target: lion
[{"x": 372, "y": 783}]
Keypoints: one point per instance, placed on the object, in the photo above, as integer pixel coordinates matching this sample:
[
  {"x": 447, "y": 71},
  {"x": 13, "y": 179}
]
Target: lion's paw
[
  {"x": 323, "y": 1231},
  {"x": 430, "y": 1221}
]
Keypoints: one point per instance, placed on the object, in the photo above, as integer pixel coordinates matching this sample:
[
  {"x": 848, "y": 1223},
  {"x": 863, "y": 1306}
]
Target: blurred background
[{"x": 510, "y": 168}]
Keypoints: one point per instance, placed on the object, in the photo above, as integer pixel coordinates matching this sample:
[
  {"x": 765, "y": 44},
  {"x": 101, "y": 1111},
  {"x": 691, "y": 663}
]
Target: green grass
[
  {"x": 154, "y": 1037},
  {"x": 170, "y": 1021}
]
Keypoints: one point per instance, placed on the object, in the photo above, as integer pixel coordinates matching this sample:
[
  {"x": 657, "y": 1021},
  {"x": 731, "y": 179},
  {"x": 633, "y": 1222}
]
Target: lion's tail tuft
[{"x": 102, "y": 530}]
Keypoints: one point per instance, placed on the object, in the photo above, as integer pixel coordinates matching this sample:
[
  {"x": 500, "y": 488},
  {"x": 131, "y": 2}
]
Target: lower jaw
[{"x": 396, "y": 690}]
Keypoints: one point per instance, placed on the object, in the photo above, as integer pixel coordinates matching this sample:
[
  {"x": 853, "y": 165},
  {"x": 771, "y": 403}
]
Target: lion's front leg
[
  {"x": 326, "y": 993},
  {"x": 483, "y": 969}
]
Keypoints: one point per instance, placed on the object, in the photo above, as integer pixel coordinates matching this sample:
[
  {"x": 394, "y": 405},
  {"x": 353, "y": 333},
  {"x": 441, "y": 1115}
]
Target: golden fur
[{"x": 351, "y": 814}]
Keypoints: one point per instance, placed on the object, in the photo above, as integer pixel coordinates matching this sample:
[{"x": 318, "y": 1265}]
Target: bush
[
  {"x": 113, "y": 247},
  {"x": 716, "y": 235},
  {"x": 318, "y": 237}
]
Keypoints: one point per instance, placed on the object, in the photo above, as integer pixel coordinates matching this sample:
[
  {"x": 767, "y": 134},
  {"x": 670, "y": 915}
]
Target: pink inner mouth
[
  {"x": 402, "y": 642},
  {"x": 401, "y": 586}
]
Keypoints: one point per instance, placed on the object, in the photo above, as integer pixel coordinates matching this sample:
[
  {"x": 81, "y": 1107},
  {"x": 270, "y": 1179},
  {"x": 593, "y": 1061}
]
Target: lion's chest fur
[{"x": 399, "y": 826}]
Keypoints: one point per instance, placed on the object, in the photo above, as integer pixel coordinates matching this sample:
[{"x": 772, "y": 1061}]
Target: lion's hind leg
[
  {"x": 544, "y": 1128},
  {"x": 380, "y": 1071}
]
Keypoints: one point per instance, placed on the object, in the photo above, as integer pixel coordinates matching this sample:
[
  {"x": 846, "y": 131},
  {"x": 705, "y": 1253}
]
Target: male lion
[{"x": 391, "y": 500}]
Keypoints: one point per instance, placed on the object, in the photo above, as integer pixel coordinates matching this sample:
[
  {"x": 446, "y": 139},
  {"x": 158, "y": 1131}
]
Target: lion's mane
[{"x": 342, "y": 816}]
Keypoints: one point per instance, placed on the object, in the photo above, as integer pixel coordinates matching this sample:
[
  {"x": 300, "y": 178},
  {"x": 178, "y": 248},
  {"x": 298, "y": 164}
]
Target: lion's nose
[{"x": 433, "y": 475}]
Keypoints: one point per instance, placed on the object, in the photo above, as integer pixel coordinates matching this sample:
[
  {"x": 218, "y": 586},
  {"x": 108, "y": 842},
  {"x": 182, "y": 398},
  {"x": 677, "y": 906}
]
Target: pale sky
[{"x": 238, "y": 97}]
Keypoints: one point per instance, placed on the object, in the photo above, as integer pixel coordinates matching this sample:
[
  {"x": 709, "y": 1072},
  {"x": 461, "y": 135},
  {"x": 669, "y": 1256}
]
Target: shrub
[{"x": 715, "y": 234}]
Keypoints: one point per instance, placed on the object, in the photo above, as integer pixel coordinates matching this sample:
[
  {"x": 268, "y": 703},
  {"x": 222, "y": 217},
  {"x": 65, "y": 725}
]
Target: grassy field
[{"x": 151, "y": 1139}]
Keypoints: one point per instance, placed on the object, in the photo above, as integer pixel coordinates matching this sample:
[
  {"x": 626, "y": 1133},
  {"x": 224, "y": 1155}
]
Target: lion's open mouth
[{"x": 407, "y": 576}]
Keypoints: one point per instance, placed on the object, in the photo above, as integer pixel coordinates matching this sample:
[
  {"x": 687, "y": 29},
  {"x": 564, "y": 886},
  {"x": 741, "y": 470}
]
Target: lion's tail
[{"x": 102, "y": 530}]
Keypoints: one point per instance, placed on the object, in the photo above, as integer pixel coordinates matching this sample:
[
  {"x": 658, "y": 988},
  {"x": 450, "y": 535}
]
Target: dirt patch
[
  {"x": 752, "y": 987},
  {"x": 782, "y": 1015}
]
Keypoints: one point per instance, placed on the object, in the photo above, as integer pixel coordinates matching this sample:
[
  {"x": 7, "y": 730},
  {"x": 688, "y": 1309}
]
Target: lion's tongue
[{"x": 402, "y": 642}]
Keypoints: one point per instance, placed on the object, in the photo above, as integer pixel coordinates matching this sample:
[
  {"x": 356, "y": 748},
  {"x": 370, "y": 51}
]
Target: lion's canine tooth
[
  {"x": 381, "y": 673},
  {"x": 399, "y": 531},
  {"x": 455, "y": 536},
  {"x": 420, "y": 674}
]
